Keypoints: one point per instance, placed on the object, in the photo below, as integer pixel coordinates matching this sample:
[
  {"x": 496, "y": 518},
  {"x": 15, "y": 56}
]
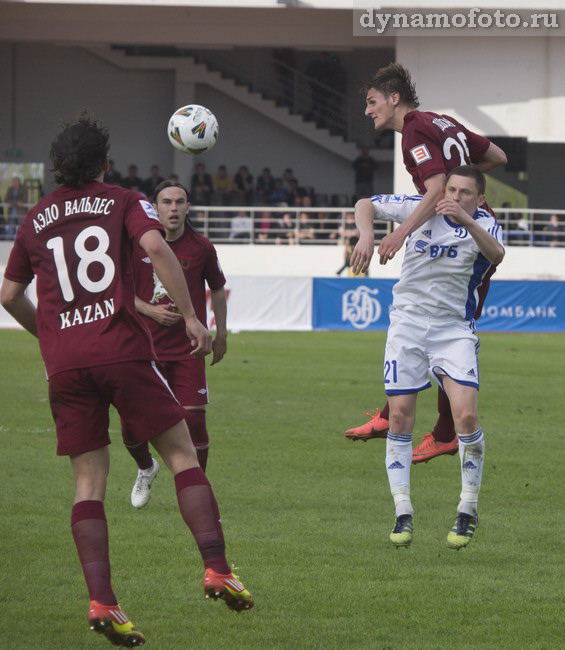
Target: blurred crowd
[
  {"x": 278, "y": 226},
  {"x": 224, "y": 188}
]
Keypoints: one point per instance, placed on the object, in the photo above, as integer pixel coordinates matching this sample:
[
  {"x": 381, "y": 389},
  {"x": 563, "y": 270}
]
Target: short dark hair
[
  {"x": 470, "y": 171},
  {"x": 163, "y": 185},
  {"x": 394, "y": 78},
  {"x": 79, "y": 151}
]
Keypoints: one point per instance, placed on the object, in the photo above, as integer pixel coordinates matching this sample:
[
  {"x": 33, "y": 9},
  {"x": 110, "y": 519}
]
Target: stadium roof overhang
[{"x": 260, "y": 23}]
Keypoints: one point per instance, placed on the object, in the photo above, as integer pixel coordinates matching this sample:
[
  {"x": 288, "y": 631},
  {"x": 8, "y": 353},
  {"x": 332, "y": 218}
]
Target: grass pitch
[{"x": 306, "y": 512}]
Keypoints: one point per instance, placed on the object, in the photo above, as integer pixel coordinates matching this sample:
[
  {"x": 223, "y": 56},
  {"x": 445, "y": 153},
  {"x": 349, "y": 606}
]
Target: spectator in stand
[
  {"x": 241, "y": 226},
  {"x": 112, "y": 177},
  {"x": 153, "y": 180},
  {"x": 223, "y": 185},
  {"x": 173, "y": 178},
  {"x": 201, "y": 185},
  {"x": 286, "y": 230},
  {"x": 287, "y": 178},
  {"x": 297, "y": 193},
  {"x": 324, "y": 227},
  {"x": 16, "y": 199},
  {"x": 132, "y": 181},
  {"x": 265, "y": 225},
  {"x": 198, "y": 219},
  {"x": 243, "y": 187},
  {"x": 279, "y": 194},
  {"x": 264, "y": 186},
  {"x": 306, "y": 228},
  {"x": 365, "y": 166},
  {"x": 349, "y": 236},
  {"x": 554, "y": 231}
]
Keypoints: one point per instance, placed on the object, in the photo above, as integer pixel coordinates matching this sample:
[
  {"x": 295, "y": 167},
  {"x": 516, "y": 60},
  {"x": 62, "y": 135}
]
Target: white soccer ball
[{"x": 193, "y": 129}]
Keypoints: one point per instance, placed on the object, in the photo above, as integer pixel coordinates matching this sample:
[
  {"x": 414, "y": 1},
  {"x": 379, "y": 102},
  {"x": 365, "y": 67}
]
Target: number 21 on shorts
[{"x": 390, "y": 369}]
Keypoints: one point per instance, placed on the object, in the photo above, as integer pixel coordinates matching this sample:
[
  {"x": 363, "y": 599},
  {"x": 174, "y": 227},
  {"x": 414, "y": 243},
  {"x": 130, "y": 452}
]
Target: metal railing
[
  {"x": 302, "y": 94},
  {"x": 266, "y": 225}
]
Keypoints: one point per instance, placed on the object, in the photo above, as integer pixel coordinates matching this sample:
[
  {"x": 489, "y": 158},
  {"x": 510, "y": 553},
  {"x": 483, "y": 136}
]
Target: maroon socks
[
  {"x": 90, "y": 532},
  {"x": 199, "y": 510}
]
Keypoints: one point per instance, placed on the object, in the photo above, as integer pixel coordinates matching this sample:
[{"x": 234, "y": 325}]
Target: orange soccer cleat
[
  {"x": 430, "y": 448},
  {"x": 111, "y": 621},
  {"x": 228, "y": 588},
  {"x": 376, "y": 427}
]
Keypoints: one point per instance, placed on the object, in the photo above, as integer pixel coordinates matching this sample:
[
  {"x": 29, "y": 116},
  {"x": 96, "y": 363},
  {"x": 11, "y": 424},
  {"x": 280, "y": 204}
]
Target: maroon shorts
[
  {"x": 80, "y": 400},
  {"x": 187, "y": 379}
]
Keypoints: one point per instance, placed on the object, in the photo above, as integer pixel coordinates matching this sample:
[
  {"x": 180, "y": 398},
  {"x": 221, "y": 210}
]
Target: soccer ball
[{"x": 193, "y": 129}]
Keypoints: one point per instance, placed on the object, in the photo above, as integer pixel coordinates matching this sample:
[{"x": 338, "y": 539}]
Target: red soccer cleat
[
  {"x": 110, "y": 621},
  {"x": 376, "y": 427},
  {"x": 430, "y": 448},
  {"x": 228, "y": 588}
]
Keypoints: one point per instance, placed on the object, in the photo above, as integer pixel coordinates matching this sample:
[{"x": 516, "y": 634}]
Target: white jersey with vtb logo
[{"x": 443, "y": 266}]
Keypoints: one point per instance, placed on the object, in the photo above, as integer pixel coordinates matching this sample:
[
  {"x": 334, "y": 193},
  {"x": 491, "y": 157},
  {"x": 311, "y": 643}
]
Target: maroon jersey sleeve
[
  {"x": 212, "y": 271},
  {"x": 19, "y": 267},
  {"x": 136, "y": 220}
]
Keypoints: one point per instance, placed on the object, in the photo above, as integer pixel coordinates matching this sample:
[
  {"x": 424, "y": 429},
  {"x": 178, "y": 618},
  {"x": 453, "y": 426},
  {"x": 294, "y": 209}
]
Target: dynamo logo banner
[
  {"x": 511, "y": 305},
  {"x": 351, "y": 304}
]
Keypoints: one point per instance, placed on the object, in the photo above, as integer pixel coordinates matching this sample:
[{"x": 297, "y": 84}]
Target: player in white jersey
[{"x": 431, "y": 334}]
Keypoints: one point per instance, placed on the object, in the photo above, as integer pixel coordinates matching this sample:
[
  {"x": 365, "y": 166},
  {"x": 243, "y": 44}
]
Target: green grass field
[{"x": 306, "y": 512}]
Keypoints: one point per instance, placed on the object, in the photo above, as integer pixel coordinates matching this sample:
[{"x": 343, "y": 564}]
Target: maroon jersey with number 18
[
  {"x": 78, "y": 242},
  {"x": 199, "y": 261}
]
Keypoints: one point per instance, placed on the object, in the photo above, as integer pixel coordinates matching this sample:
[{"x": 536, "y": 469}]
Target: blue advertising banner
[
  {"x": 351, "y": 304},
  {"x": 511, "y": 306},
  {"x": 522, "y": 306}
]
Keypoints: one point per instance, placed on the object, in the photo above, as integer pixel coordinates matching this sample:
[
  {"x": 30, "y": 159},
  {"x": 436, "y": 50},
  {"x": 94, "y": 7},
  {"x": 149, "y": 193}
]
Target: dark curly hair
[
  {"x": 79, "y": 151},
  {"x": 394, "y": 78}
]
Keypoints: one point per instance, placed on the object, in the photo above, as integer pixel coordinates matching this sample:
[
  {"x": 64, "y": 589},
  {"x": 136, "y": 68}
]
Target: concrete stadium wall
[{"x": 52, "y": 83}]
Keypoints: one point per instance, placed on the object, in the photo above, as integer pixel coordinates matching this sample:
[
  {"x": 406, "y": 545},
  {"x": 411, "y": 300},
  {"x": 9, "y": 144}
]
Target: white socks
[
  {"x": 398, "y": 460},
  {"x": 472, "y": 454}
]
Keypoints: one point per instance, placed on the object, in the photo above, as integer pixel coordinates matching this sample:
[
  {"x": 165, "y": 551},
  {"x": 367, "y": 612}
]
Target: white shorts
[{"x": 419, "y": 346}]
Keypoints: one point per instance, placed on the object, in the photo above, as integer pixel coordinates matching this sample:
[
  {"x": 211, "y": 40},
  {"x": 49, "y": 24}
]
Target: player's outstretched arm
[
  {"x": 220, "y": 307},
  {"x": 392, "y": 243},
  {"x": 16, "y": 303},
  {"x": 489, "y": 247},
  {"x": 493, "y": 157},
  {"x": 168, "y": 270},
  {"x": 161, "y": 314},
  {"x": 365, "y": 247}
]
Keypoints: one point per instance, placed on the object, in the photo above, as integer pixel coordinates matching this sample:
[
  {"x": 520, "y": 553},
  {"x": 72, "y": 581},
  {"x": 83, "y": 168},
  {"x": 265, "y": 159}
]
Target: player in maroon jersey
[
  {"x": 186, "y": 375},
  {"x": 432, "y": 145},
  {"x": 78, "y": 241}
]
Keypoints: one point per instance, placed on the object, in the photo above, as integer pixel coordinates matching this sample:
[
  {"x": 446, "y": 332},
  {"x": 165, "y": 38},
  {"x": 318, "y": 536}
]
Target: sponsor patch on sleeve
[
  {"x": 149, "y": 210},
  {"x": 420, "y": 154},
  {"x": 389, "y": 198}
]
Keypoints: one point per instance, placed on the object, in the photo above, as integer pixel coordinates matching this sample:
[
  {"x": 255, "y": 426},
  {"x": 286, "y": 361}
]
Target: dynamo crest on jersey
[{"x": 149, "y": 210}]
